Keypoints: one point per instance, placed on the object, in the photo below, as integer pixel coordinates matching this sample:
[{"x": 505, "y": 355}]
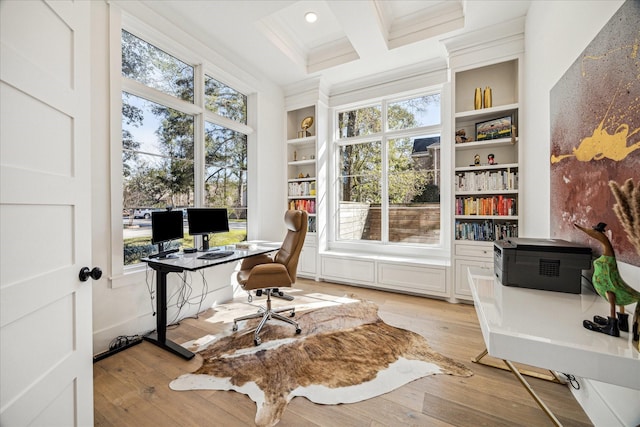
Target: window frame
[
  {"x": 384, "y": 246},
  {"x": 121, "y": 274}
]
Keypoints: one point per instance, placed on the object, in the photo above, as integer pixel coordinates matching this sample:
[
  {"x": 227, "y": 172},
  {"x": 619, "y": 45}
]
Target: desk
[
  {"x": 178, "y": 264},
  {"x": 544, "y": 329}
]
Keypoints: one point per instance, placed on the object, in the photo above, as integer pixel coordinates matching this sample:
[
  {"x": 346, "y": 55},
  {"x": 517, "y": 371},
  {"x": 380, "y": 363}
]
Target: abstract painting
[{"x": 595, "y": 132}]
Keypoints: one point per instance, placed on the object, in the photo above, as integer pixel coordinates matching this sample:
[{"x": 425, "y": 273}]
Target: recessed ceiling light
[{"x": 310, "y": 17}]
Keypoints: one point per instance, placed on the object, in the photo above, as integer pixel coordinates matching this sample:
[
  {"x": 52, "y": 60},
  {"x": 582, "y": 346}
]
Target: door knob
[{"x": 85, "y": 273}]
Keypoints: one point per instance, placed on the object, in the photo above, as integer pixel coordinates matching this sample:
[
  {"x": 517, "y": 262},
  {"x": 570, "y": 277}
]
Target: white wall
[
  {"x": 556, "y": 34},
  {"x": 127, "y": 309}
]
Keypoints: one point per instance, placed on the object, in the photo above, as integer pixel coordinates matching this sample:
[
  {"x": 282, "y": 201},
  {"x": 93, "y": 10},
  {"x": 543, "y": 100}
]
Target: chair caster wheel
[
  {"x": 298, "y": 331},
  {"x": 257, "y": 342},
  {"x": 293, "y": 314},
  {"x": 235, "y": 327}
]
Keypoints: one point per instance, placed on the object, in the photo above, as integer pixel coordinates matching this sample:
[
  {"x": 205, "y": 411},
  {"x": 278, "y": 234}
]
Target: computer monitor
[
  {"x": 165, "y": 226},
  {"x": 204, "y": 221}
]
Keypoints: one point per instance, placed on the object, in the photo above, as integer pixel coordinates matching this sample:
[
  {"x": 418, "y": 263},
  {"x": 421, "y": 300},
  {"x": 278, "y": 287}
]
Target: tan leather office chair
[{"x": 265, "y": 274}]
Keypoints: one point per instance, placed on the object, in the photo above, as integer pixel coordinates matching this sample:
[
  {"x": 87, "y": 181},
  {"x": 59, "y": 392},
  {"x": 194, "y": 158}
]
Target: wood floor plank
[{"x": 131, "y": 387}]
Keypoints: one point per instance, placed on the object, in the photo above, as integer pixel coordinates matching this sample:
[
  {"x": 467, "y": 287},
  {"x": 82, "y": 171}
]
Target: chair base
[{"x": 265, "y": 315}]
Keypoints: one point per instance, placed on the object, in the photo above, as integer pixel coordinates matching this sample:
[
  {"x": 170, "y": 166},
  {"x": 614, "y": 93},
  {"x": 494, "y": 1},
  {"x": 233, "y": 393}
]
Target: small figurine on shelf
[
  {"x": 300, "y": 175},
  {"x": 295, "y": 156},
  {"x": 491, "y": 159},
  {"x": 476, "y": 160},
  {"x": 461, "y": 136},
  {"x": 307, "y": 122}
]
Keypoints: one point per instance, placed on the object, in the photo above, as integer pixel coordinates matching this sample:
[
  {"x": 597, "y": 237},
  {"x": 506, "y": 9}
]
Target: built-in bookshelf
[
  {"x": 486, "y": 179},
  {"x": 301, "y": 162}
]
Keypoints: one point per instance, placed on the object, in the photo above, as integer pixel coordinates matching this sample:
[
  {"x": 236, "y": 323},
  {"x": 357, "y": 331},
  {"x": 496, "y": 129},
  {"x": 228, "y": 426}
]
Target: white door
[{"x": 46, "y": 372}]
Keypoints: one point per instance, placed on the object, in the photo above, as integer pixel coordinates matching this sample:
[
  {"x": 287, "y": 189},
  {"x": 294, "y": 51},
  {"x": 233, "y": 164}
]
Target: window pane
[
  {"x": 359, "y": 192},
  {"x": 363, "y": 121},
  {"x": 225, "y": 101},
  {"x": 226, "y": 179},
  {"x": 152, "y": 67},
  {"x": 158, "y": 170},
  {"x": 415, "y": 112},
  {"x": 414, "y": 190},
  {"x": 153, "y": 128}
]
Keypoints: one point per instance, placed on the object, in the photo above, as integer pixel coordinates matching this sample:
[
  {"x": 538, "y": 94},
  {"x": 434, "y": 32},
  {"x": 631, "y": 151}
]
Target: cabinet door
[
  {"x": 307, "y": 262},
  {"x": 462, "y": 289}
]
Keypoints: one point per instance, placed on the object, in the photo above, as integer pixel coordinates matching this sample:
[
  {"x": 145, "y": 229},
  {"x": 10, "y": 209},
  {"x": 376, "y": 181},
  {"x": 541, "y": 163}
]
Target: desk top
[
  {"x": 544, "y": 329},
  {"x": 190, "y": 262}
]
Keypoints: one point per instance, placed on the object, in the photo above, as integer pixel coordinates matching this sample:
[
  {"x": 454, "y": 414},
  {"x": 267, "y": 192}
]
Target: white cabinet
[{"x": 470, "y": 255}]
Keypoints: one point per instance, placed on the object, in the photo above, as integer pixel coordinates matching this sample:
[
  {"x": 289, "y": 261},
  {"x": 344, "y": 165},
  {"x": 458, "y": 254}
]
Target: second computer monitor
[{"x": 204, "y": 221}]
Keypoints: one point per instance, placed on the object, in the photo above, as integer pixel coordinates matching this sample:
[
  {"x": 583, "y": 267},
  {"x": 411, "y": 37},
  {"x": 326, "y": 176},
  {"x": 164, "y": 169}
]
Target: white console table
[{"x": 544, "y": 329}]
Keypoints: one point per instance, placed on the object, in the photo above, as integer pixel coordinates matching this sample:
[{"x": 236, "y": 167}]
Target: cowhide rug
[{"x": 344, "y": 354}]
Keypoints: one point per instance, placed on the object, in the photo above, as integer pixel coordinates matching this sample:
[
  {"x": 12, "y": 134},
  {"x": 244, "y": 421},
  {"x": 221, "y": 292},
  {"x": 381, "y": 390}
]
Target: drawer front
[
  {"x": 420, "y": 279},
  {"x": 462, "y": 289},
  {"x": 348, "y": 269},
  {"x": 475, "y": 251}
]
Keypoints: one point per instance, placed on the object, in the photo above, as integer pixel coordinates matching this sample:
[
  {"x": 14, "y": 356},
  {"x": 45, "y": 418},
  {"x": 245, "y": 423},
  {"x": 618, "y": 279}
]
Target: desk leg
[
  {"x": 552, "y": 377},
  {"x": 533, "y": 394},
  {"x": 160, "y": 337}
]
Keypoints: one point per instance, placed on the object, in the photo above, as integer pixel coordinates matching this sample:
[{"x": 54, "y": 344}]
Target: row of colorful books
[
  {"x": 487, "y": 231},
  {"x": 303, "y": 205},
  {"x": 486, "y": 181},
  {"x": 304, "y": 188},
  {"x": 495, "y": 205}
]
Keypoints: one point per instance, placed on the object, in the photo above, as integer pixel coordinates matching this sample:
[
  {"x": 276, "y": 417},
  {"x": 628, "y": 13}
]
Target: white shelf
[
  {"x": 474, "y": 145},
  {"x": 486, "y": 167},
  {"x": 311, "y": 178},
  {"x": 301, "y": 197},
  {"x": 494, "y": 217},
  {"x": 302, "y": 162},
  {"x": 302, "y": 141},
  {"x": 487, "y": 113},
  {"x": 485, "y": 192}
]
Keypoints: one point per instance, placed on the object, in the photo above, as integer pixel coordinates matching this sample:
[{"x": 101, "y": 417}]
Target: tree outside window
[
  {"x": 159, "y": 146},
  {"x": 388, "y": 172}
]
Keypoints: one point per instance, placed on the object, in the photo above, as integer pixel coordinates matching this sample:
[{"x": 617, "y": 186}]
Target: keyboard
[{"x": 216, "y": 255}]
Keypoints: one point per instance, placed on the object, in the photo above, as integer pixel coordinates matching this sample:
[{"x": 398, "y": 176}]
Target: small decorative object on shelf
[
  {"x": 609, "y": 285},
  {"x": 488, "y": 101},
  {"x": 461, "y": 136},
  {"x": 477, "y": 99},
  {"x": 295, "y": 156},
  {"x": 476, "y": 160},
  {"x": 491, "y": 159},
  {"x": 307, "y": 122},
  {"x": 493, "y": 129}
]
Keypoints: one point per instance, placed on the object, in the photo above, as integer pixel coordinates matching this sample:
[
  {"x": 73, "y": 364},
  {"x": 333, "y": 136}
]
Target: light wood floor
[{"x": 131, "y": 387}]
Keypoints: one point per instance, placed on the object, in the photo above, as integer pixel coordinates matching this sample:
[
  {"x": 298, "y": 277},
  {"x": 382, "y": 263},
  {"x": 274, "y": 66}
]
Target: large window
[
  {"x": 387, "y": 187},
  {"x": 179, "y": 150}
]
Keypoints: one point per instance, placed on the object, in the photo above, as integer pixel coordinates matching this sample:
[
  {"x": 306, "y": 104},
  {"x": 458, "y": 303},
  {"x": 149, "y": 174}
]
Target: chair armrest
[
  {"x": 272, "y": 275},
  {"x": 249, "y": 263}
]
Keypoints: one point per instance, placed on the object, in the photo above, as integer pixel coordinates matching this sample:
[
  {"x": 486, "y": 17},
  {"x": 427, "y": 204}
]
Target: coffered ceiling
[{"x": 351, "y": 39}]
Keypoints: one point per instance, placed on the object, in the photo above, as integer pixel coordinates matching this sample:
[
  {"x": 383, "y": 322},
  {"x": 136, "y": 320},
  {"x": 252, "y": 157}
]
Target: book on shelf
[
  {"x": 302, "y": 189},
  {"x": 486, "y": 180},
  {"x": 485, "y": 231},
  {"x": 494, "y": 205},
  {"x": 305, "y": 205}
]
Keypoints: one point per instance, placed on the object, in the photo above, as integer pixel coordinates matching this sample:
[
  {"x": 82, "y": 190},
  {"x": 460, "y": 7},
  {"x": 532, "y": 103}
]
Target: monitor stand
[{"x": 205, "y": 244}]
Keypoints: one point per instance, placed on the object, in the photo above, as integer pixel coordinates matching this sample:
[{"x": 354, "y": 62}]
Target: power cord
[
  {"x": 123, "y": 341},
  {"x": 572, "y": 381},
  {"x": 118, "y": 344}
]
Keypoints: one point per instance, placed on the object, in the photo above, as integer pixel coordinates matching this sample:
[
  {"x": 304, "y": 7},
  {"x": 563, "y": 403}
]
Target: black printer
[{"x": 545, "y": 264}]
